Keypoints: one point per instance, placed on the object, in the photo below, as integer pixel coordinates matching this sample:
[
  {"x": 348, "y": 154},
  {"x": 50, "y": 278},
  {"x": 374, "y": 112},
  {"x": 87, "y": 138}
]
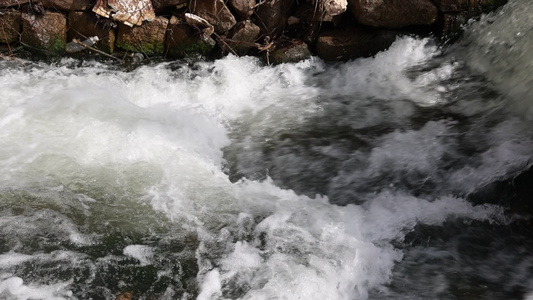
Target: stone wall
[{"x": 279, "y": 30}]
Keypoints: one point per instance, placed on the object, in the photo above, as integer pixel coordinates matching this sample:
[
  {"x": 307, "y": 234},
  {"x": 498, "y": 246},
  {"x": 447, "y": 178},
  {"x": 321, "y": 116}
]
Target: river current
[{"x": 369, "y": 179}]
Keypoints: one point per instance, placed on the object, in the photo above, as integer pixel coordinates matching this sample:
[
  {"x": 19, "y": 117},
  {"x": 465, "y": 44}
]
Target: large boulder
[
  {"x": 289, "y": 52},
  {"x": 45, "y": 34},
  {"x": 215, "y": 12},
  {"x": 10, "y": 24},
  {"x": 351, "y": 43},
  {"x": 10, "y": 3},
  {"x": 67, "y": 5},
  {"x": 243, "y": 8},
  {"x": 273, "y": 16},
  {"x": 242, "y": 37},
  {"x": 185, "y": 40},
  {"x": 83, "y": 25},
  {"x": 452, "y": 5},
  {"x": 394, "y": 13},
  {"x": 149, "y": 38}
]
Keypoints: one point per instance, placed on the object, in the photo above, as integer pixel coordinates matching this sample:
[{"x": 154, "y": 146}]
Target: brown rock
[
  {"x": 394, "y": 13},
  {"x": 83, "y": 25},
  {"x": 9, "y": 3},
  {"x": 242, "y": 36},
  {"x": 67, "y": 5},
  {"x": 452, "y": 24},
  {"x": 10, "y": 24},
  {"x": 215, "y": 12},
  {"x": 244, "y": 8},
  {"x": 45, "y": 33},
  {"x": 351, "y": 43},
  {"x": 149, "y": 38},
  {"x": 290, "y": 52},
  {"x": 273, "y": 16},
  {"x": 184, "y": 40},
  {"x": 129, "y": 12}
]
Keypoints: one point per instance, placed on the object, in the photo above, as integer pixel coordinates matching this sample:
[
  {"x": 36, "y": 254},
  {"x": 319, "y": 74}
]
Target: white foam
[
  {"x": 13, "y": 288},
  {"x": 141, "y": 253}
]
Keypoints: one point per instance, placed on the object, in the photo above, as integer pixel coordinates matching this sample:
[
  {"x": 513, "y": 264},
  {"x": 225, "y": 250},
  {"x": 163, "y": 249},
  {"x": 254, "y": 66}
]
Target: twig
[
  {"x": 7, "y": 42},
  {"x": 96, "y": 50},
  {"x": 223, "y": 41}
]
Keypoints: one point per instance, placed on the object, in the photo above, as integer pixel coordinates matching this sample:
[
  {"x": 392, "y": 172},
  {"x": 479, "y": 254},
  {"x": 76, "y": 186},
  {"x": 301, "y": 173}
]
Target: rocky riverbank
[{"x": 277, "y": 30}]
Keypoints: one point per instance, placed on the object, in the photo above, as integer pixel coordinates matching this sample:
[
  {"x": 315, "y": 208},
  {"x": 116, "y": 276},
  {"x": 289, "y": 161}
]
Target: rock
[
  {"x": 290, "y": 52},
  {"x": 330, "y": 7},
  {"x": 46, "y": 34},
  {"x": 215, "y": 12},
  {"x": 394, "y": 13},
  {"x": 351, "y": 43},
  {"x": 452, "y": 25},
  {"x": 9, "y": 3},
  {"x": 273, "y": 16},
  {"x": 242, "y": 36},
  {"x": 83, "y": 24},
  {"x": 162, "y": 4},
  {"x": 129, "y": 12},
  {"x": 308, "y": 13},
  {"x": 199, "y": 23},
  {"x": 148, "y": 38},
  {"x": 184, "y": 40},
  {"x": 67, "y": 5},
  {"x": 452, "y": 5},
  {"x": 243, "y": 8},
  {"x": 10, "y": 24},
  {"x": 476, "y": 7}
]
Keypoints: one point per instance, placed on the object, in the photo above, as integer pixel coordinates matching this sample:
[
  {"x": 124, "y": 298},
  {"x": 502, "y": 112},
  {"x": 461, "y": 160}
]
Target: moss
[{"x": 149, "y": 49}]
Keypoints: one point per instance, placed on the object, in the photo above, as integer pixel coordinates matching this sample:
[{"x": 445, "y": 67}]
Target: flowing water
[{"x": 369, "y": 179}]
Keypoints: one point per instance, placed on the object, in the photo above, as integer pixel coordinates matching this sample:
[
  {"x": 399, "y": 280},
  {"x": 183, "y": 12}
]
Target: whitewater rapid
[{"x": 234, "y": 180}]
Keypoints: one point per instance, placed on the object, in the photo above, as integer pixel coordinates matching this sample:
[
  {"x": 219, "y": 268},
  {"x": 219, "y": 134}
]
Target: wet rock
[
  {"x": 330, "y": 7},
  {"x": 452, "y": 25},
  {"x": 452, "y": 5},
  {"x": 129, "y": 12},
  {"x": 83, "y": 24},
  {"x": 291, "y": 51},
  {"x": 184, "y": 40},
  {"x": 394, "y": 13},
  {"x": 272, "y": 16},
  {"x": 309, "y": 13},
  {"x": 355, "y": 42},
  {"x": 45, "y": 34},
  {"x": 476, "y": 7},
  {"x": 162, "y": 4},
  {"x": 67, "y": 5},
  {"x": 215, "y": 12},
  {"x": 10, "y": 24},
  {"x": 242, "y": 36},
  {"x": 13, "y": 3},
  {"x": 243, "y": 8},
  {"x": 148, "y": 38}
]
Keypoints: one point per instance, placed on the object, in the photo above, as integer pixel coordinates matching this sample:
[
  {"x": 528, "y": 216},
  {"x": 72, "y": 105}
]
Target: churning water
[{"x": 232, "y": 180}]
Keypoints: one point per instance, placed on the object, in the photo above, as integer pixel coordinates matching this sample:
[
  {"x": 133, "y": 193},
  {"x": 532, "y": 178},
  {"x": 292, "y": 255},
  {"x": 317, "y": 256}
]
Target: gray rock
[
  {"x": 46, "y": 34},
  {"x": 290, "y": 52}
]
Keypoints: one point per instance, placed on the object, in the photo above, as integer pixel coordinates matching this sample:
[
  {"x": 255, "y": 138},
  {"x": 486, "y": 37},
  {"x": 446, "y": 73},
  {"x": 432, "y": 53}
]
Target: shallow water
[{"x": 234, "y": 180}]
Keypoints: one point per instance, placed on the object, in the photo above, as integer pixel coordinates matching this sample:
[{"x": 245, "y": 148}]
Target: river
[{"x": 370, "y": 179}]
